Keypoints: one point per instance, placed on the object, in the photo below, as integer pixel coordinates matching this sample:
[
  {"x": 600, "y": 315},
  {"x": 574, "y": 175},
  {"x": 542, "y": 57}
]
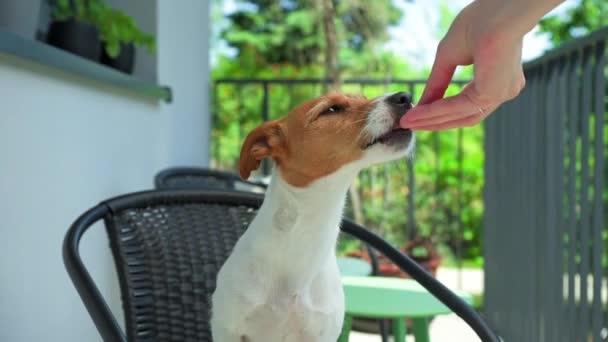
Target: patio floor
[{"x": 446, "y": 328}]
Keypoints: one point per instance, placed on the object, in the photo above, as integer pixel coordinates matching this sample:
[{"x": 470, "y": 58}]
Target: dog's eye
[{"x": 333, "y": 109}]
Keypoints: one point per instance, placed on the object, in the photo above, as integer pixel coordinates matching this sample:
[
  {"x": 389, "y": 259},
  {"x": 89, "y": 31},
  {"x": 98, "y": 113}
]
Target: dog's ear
[{"x": 267, "y": 140}]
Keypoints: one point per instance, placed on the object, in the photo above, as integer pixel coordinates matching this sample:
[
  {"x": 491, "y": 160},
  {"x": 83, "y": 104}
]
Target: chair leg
[
  {"x": 346, "y": 326},
  {"x": 399, "y": 329},
  {"x": 421, "y": 329},
  {"x": 383, "y": 330}
]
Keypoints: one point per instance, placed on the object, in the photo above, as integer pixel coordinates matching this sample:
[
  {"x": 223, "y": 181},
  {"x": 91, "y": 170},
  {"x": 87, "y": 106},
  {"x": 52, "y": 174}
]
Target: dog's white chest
[
  {"x": 296, "y": 317},
  {"x": 282, "y": 283},
  {"x": 254, "y": 312}
]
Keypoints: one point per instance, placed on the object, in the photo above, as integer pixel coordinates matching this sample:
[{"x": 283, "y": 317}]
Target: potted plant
[
  {"x": 120, "y": 34},
  {"x": 73, "y": 27}
]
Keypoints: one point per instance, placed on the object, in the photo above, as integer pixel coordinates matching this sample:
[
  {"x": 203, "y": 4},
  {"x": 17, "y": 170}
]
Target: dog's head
[{"x": 322, "y": 135}]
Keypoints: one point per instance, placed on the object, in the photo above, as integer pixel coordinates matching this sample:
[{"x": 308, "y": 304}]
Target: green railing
[{"x": 546, "y": 196}]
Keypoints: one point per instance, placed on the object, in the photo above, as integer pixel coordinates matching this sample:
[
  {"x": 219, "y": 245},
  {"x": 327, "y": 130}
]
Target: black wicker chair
[
  {"x": 193, "y": 178},
  {"x": 168, "y": 247}
]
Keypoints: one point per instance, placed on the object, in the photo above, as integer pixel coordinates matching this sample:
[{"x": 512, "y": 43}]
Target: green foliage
[
  {"x": 118, "y": 28},
  {"x": 446, "y": 191},
  {"x": 478, "y": 301},
  {"x": 290, "y": 31},
  {"x": 82, "y": 10},
  {"x": 579, "y": 20},
  {"x": 448, "y": 204},
  {"x": 363, "y": 23},
  {"x": 284, "y": 41},
  {"x": 115, "y": 26}
]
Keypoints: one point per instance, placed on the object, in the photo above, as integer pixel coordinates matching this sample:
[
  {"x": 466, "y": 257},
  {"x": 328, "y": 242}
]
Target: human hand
[{"x": 482, "y": 36}]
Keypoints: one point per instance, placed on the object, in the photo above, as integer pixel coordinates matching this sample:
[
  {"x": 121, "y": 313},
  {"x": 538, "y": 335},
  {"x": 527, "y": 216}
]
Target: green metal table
[
  {"x": 395, "y": 299},
  {"x": 350, "y": 266}
]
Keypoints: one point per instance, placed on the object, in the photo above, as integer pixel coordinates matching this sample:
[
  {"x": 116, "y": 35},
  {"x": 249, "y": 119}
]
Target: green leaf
[
  {"x": 588, "y": 16},
  {"x": 113, "y": 49}
]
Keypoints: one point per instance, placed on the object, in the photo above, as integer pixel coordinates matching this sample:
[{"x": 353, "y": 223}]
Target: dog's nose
[{"x": 401, "y": 99}]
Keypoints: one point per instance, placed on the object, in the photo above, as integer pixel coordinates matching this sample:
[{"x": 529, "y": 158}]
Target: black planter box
[
  {"x": 76, "y": 37},
  {"x": 124, "y": 61}
]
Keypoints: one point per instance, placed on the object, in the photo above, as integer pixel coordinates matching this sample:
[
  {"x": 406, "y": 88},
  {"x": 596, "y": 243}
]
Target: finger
[
  {"x": 435, "y": 120},
  {"x": 454, "y": 104},
  {"x": 469, "y": 121},
  {"x": 439, "y": 79}
]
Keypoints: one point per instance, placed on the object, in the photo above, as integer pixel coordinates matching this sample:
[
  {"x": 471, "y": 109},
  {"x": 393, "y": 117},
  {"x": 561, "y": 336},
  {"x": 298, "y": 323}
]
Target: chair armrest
[
  {"x": 408, "y": 265},
  {"x": 89, "y": 293}
]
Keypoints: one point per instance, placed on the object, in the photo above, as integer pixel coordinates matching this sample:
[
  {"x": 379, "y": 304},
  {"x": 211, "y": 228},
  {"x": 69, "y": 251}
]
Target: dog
[{"x": 281, "y": 281}]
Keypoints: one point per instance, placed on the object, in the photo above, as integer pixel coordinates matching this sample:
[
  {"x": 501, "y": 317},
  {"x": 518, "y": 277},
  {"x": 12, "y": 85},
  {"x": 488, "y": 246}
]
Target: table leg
[
  {"x": 421, "y": 329},
  {"x": 346, "y": 326},
  {"x": 399, "y": 329},
  {"x": 383, "y": 325}
]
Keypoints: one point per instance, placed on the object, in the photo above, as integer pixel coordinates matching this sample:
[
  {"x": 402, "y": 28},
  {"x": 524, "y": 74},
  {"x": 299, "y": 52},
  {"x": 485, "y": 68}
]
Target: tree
[
  {"x": 290, "y": 31},
  {"x": 332, "y": 72},
  {"x": 579, "y": 20}
]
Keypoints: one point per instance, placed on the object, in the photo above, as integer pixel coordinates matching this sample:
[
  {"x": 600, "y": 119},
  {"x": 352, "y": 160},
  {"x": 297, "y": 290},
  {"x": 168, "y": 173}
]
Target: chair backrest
[
  {"x": 204, "y": 179},
  {"x": 168, "y": 248}
]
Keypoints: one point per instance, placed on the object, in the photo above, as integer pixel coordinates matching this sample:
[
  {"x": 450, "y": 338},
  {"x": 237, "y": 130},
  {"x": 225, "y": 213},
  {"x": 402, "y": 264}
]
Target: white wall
[
  {"x": 20, "y": 16},
  {"x": 65, "y": 144}
]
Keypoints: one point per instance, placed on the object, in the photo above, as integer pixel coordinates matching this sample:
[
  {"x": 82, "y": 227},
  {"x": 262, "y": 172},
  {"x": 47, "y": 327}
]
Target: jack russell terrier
[{"x": 282, "y": 283}]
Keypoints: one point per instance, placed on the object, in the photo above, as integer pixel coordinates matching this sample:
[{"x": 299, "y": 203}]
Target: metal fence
[
  {"x": 544, "y": 230},
  {"x": 242, "y": 104}
]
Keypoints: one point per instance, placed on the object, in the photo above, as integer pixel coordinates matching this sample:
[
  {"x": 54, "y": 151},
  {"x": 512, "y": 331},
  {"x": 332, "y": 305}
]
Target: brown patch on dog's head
[{"x": 312, "y": 141}]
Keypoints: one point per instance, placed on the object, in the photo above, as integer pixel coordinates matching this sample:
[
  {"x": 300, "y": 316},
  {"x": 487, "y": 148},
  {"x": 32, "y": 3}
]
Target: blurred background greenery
[{"x": 287, "y": 39}]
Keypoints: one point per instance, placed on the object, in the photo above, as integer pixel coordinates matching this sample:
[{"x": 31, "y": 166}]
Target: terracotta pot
[{"x": 387, "y": 269}]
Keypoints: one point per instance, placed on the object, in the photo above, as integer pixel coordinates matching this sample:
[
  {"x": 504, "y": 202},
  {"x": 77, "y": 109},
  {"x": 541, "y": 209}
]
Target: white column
[{"x": 183, "y": 32}]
